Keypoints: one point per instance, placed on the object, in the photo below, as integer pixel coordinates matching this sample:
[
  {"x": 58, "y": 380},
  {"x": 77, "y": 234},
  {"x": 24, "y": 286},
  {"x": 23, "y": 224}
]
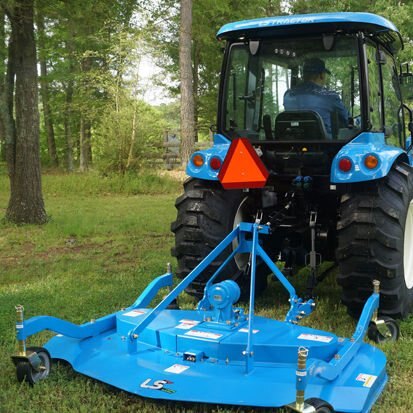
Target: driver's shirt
[{"x": 310, "y": 96}]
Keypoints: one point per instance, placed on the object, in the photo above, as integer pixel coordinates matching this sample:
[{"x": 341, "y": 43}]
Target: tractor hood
[{"x": 371, "y": 24}]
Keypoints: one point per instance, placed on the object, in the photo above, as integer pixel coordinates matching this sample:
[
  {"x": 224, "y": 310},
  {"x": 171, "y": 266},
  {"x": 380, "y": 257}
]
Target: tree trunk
[
  {"x": 68, "y": 127},
  {"x": 44, "y": 91},
  {"x": 2, "y": 82},
  {"x": 85, "y": 144},
  {"x": 133, "y": 138},
  {"x": 187, "y": 97},
  {"x": 195, "y": 85},
  {"x": 85, "y": 148},
  {"x": 68, "y": 112},
  {"x": 7, "y": 104},
  {"x": 26, "y": 200}
]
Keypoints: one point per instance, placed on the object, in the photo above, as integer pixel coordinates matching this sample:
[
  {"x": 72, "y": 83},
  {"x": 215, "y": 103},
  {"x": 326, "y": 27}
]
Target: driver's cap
[{"x": 315, "y": 65}]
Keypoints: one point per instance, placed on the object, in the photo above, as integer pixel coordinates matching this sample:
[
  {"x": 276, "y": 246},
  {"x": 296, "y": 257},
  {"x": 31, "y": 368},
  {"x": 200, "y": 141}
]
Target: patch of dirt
[{"x": 27, "y": 251}]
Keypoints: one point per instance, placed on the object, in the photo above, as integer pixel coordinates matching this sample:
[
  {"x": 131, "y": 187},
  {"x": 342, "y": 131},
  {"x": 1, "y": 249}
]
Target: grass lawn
[{"x": 106, "y": 239}]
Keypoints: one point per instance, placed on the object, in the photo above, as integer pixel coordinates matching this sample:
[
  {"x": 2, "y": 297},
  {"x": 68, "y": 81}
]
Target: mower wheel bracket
[
  {"x": 383, "y": 329},
  {"x": 331, "y": 370},
  {"x": 34, "y": 366},
  {"x": 306, "y": 409},
  {"x": 152, "y": 289}
]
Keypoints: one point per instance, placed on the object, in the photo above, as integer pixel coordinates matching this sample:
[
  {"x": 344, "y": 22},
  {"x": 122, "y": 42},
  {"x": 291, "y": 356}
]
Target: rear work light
[
  {"x": 345, "y": 164},
  {"x": 215, "y": 163},
  {"x": 371, "y": 161},
  {"x": 198, "y": 160}
]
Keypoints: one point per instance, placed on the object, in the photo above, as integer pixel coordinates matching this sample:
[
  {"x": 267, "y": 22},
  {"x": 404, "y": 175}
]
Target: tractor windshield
[{"x": 293, "y": 89}]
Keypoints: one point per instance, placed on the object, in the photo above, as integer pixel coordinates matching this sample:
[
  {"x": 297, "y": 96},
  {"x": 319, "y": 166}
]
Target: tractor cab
[{"x": 301, "y": 87}]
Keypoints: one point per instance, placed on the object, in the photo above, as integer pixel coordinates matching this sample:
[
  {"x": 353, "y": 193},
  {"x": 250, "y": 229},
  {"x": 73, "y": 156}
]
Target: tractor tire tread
[{"x": 371, "y": 237}]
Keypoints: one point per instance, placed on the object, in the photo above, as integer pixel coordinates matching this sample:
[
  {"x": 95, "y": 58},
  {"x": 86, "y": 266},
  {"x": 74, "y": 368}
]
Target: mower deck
[
  {"x": 216, "y": 353},
  {"x": 161, "y": 366}
]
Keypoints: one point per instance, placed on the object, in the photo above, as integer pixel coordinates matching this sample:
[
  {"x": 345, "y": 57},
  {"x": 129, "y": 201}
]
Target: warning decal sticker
[
  {"x": 187, "y": 324},
  {"x": 203, "y": 334},
  {"x": 367, "y": 379},
  {"x": 315, "y": 337},
  {"x": 245, "y": 330},
  {"x": 134, "y": 313},
  {"x": 177, "y": 369}
]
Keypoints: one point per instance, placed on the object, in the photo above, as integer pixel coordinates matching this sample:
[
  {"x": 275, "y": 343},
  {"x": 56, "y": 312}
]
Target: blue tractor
[{"x": 336, "y": 165}]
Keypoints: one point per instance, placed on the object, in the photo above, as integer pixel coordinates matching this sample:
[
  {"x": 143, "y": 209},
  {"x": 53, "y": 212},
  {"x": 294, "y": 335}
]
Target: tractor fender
[
  {"x": 367, "y": 143},
  {"x": 218, "y": 150}
]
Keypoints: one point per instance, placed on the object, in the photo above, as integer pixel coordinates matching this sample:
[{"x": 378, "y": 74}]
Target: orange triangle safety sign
[{"x": 242, "y": 167}]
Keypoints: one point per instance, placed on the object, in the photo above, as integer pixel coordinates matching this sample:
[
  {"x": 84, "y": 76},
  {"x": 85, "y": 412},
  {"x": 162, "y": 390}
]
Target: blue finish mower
[{"x": 219, "y": 353}]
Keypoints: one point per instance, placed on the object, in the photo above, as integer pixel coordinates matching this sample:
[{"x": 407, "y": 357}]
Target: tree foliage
[
  {"x": 91, "y": 92},
  {"x": 162, "y": 32}
]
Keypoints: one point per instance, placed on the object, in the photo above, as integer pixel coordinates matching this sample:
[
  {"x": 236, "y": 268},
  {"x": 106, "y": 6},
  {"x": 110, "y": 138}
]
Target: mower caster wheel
[
  {"x": 26, "y": 372},
  {"x": 384, "y": 329},
  {"x": 320, "y": 406}
]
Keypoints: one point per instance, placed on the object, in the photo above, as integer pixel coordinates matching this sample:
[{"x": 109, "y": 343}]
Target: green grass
[
  {"x": 94, "y": 183},
  {"x": 106, "y": 239}
]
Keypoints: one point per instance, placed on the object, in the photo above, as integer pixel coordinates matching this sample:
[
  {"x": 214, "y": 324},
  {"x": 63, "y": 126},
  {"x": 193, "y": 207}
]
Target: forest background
[{"x": 93, "y": 112}]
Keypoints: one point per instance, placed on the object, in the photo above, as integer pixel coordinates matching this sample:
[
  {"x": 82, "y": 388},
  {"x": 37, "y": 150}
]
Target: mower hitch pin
[
  {"x": 301, "y": 378},
  {"x": 19, "y": 326},
  {"x": 380, "y": 323},
  {"x": 169, "y": 271},
  {"x": 376, "y": 290}
]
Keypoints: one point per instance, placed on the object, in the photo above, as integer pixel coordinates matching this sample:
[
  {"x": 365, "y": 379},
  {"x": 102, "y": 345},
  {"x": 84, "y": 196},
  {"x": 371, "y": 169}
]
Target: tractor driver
[{"x": 312, "y": 94}]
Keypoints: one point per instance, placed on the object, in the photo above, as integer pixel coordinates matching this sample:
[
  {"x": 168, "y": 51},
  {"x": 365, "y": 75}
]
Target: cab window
[{"x": 392, "y": 100}]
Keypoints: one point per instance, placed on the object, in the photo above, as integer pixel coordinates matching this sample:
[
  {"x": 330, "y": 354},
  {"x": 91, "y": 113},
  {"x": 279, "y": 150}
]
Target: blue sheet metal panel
[
  {"x": 162, "y": 331},
  {"x": 371, "y": 22},
  {"x": 210, "y": 345},
  {"x": 368, "y": 365},
  {"x": 277, "y": 342},
  {"x": 219, "y": 149},
  {"x": 104, "y": 359},
  {"x": 365, "y": 144},
  {"x": 125, "y": 323}
]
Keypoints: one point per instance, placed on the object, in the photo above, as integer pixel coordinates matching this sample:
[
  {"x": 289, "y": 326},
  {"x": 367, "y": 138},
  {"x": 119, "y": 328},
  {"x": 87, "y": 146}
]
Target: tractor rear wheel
[
  {"x": 375, "y": 241},
  {"x": 207, "y": 213}
]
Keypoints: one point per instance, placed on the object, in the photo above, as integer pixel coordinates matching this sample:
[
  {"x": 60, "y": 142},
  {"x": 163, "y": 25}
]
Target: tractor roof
[{"x": 371, "y": 24}]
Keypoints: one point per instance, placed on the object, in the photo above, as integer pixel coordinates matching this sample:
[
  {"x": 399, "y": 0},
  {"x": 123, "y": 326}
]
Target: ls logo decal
[{"x": 157, "y": 385}]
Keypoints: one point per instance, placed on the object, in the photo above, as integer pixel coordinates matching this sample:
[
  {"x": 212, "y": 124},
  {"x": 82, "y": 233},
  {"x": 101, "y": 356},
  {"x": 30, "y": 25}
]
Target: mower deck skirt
[{"x": 181, "y": 357}]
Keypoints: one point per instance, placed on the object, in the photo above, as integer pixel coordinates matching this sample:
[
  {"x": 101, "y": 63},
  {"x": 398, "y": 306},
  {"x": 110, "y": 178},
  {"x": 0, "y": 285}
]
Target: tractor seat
[{"x": 300, "y": 125}]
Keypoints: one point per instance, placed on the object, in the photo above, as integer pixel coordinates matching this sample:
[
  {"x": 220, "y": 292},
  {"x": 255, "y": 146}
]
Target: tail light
[
  {"x": 345, "y": 165},
  {"x": 215, "y": 163}
]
